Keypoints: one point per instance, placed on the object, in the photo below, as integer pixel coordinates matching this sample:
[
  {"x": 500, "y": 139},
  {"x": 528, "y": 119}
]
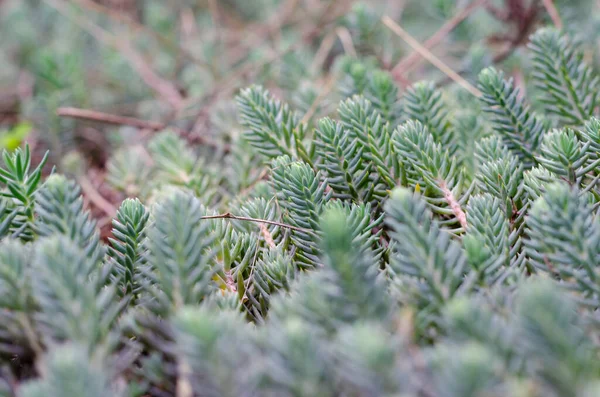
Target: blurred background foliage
[{"x": 179, "y": 63}]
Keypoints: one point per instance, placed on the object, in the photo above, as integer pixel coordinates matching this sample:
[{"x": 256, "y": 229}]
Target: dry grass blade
[
  {"x": 229, "y": 215},
  {"x": 85, "y": 114},
  {"x": 553, "y": 12},
  {"x": 95, "y": 197},
  {"x": 411, "y": 60},
  {"x": 322, "y": 95},
  {"x": 107, "y": 118},
  {"x": 411, "y": 41},
  {"x": 346, "y": 40}
]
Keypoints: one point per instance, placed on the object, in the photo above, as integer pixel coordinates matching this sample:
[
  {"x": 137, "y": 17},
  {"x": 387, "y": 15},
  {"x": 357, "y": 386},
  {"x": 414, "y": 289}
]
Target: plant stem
[{"x": 229, "y": 215}]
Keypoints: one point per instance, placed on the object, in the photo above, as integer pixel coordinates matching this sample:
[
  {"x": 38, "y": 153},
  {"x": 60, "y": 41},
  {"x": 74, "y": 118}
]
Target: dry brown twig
[
  {"x": 95, "y": 197},
  {"x": 107, "y": 118},
  {"x": 324, "y": 50},
  {"x": 553, "y": 12},
  {"x": 522, "y": 19},
  {"x": 412, "y": 60},
  {"x": 86, "y": 114},
  {"x": 411, "y": 41},
  {"x": 324, "y": 92},
  {"x": 229, "y": 215},
  {"x": 346, "y": 40},
  {"x": 261, "y": 177}
]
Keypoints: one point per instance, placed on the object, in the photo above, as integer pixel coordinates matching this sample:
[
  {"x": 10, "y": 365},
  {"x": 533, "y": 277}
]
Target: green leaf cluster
[{"x": 370, "y": 253}]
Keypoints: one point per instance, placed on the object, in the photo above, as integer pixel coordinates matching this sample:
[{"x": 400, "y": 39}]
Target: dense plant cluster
[
  {"x": 409, "y": 241},
  {"x": 172, "y": 60}
]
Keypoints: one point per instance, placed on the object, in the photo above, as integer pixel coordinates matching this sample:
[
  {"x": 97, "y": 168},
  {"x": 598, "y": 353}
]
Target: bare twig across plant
[{"x": 229, "y": 215}]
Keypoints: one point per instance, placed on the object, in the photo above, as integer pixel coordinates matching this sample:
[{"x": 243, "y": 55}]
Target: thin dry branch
[
  {"x": 411, "y": 60},
  {"x": 261, "y": 177},
  {"x": 553, "y": 12},
  {"x": 216, "y": 18},
  {"x": 229, "y": 215},
  {"x": 113, "y": 119},
  {"x": 95, "y": 197},
  {"x": 346, "y": 40},
  {"x": 324, "y": 92},
  {"x": 86, "y": 114},
  {"x": 522, "y": 21},
  {"x": 30, "y": 334},
  {"x": 321, "y": 54},
  {"x": 411, "y": 41}
]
